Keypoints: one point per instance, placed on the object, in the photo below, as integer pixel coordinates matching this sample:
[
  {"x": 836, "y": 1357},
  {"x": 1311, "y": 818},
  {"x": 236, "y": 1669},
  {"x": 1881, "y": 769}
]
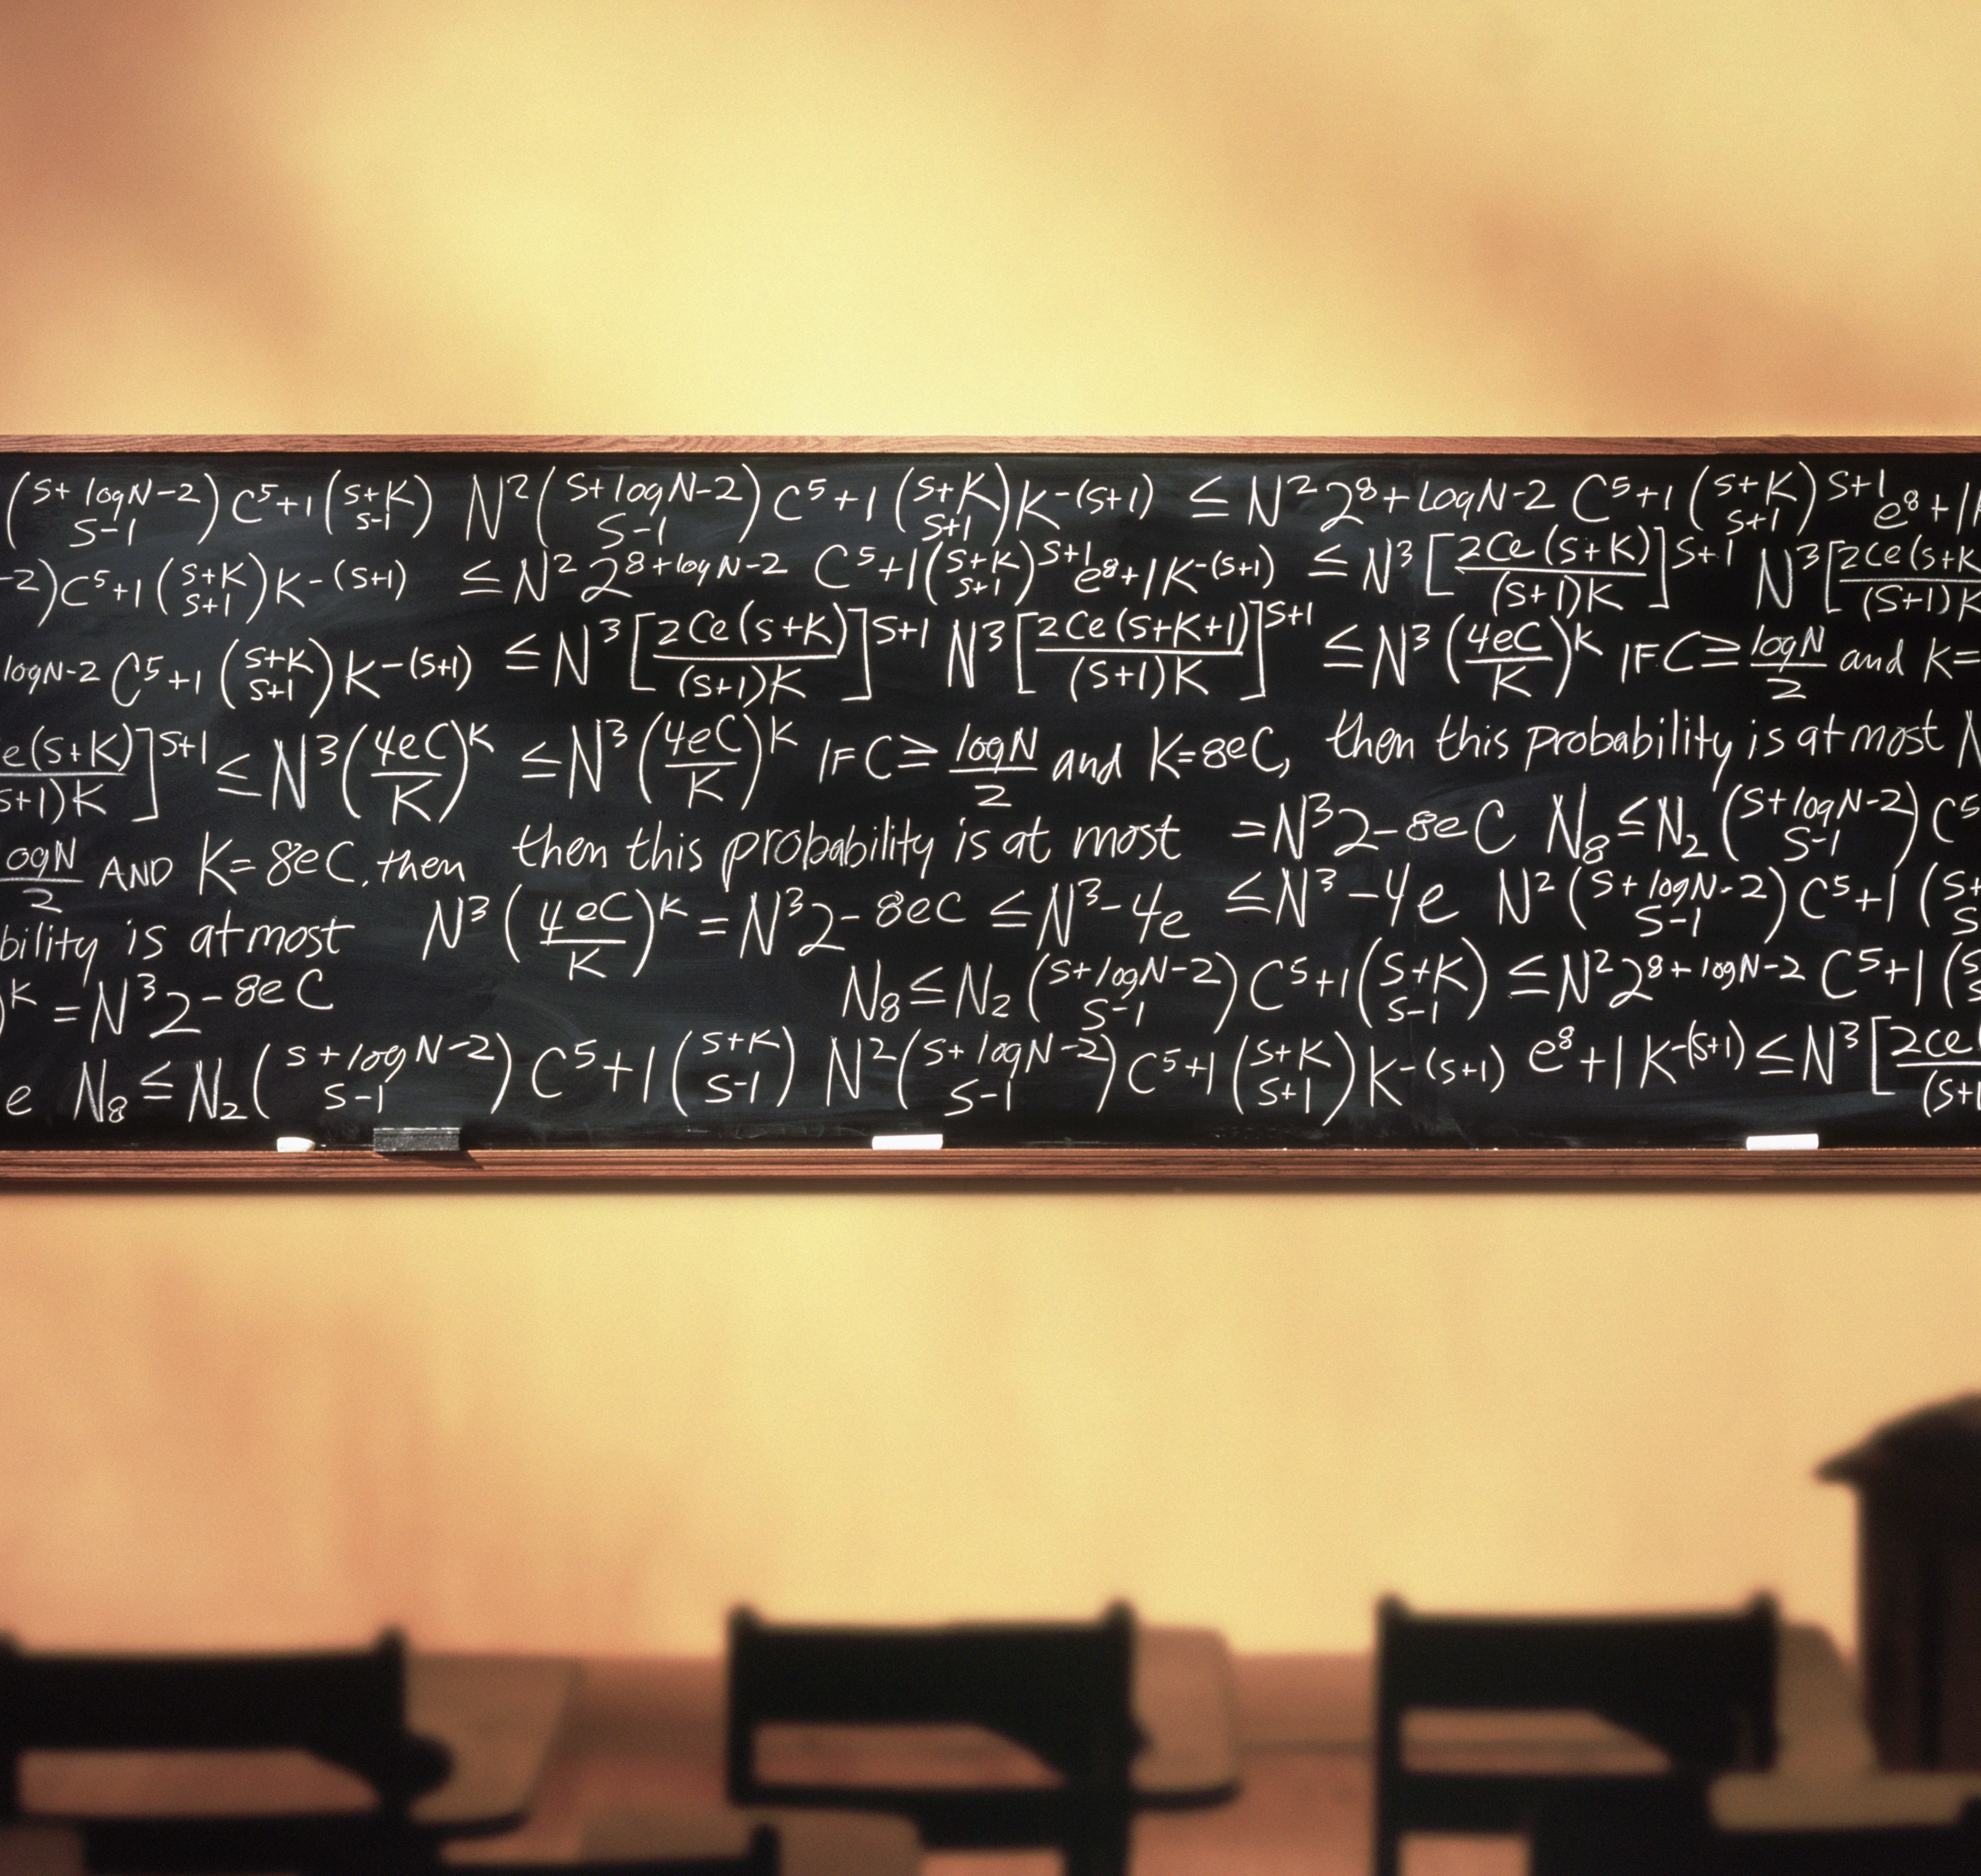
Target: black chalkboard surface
[{"x": 586, "y": 794}]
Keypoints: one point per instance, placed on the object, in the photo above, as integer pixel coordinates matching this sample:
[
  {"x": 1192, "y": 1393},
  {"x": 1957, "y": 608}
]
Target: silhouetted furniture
[
  {"x": 1647, "y": 1831},
  {"x": 1824, "y": 1808},
  {"x": 1700, "y": 1689},
  {"x": 1062, "y": 1691},
  {"x": 664, "y": 1850},
  {"x": 1919, "y": 1582},
  {"x": 781, "y": 1843},
  {"x": 347, "y": 1708}
]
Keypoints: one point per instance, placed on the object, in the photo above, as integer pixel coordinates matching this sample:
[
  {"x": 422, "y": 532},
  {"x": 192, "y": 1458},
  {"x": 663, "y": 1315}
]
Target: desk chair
[
  {"x": 1648, "y": 1832},
  {"x": 1700, "y": 1688},
  {"x": 1062, "y": 1690},
  {"x": 347, "y": 1708}
]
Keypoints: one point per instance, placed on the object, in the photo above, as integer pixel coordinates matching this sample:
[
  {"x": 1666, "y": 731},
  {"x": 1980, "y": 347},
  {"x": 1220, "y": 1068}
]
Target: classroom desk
[
  {"x": 637, "y": 1762},
  {"x": 642, "y": 1737},
  {"x": 497, "y": 1715},
  {"x": 1826, "y": 1774}
]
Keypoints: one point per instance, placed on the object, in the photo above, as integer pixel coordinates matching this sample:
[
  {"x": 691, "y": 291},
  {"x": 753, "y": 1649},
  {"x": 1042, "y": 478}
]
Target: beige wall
[{"x": 594, "y": 1420}]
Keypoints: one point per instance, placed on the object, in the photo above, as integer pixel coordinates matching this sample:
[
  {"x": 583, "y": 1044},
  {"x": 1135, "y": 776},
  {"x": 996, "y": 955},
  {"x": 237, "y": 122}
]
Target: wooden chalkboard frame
[{"x": 1196, "y": 1166}]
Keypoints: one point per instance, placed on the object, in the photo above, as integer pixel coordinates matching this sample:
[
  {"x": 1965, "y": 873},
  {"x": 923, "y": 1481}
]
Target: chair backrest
[
  {"x": 347, "y": 1707},
  {"x": 1699, "y": 1687},
  {"x": 1063, "y": 1690}
]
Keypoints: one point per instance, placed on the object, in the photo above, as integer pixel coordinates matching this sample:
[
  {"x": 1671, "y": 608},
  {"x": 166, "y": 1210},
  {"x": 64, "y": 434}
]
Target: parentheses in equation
[
  {"x": 1361, "y": 979},
  {"x": 1231, "y": 996},
  {"x": 1575, "y": 911},
  {"x": 508, "y": 910},
  {"x": 1272, "y": 566},
  {"x": 1073, "y": 677},
  {"x": 1808, "y": 507},
  {"x": 1450, "y": 639},
  {"x": 225, "y": 698},
  {"x": 901, "y": 1073},
  {"x": 790, "y": 1063},
  {"x": 1739, "y": 1044},
  {"x": 1501, "y": 1061},
  {"x": 757, "y": 771},
  {"x": 1725, "y": 831},
  {"x": 1926, "y": 917},
  {"x": 1348, "y": 1055},
  {"x": 1781, "y": 904},
  {"x": 213, "y": 519},
  {"x": 255, "y": 1085},
  {"x": 55, "y": 586},
  {"x": 1547, "y": 546},
  {"x": 1079, "y": 493},
  {"x": 453, "y": 800},
  {"x": 1031, "y": 573},
  {"x": 344, "y": 770},
  {"x": 1031, "y": 985},
  {"x": 639, "y": 766},
  {"x": 674, "y": 1074},
  {"x": 1913, "y": 835},
  {"x": 160, "y": 590},
  {"x": 428, "y": 487},
  {"x": 13, "y": 495},
  {"x": 1005, "y": 513},
  {"x": 928, "y": 575},
  {"x": 508, "y": 1070},
  {"x": 1567, "y": 652},
  {"x": 466, "y": 667},
  {"x": 1478, "y": 1002},
  {"x": 653, "y": 925},
  {"x": 1946, "y": 976},
  {"x": 329, "y": 495},
  {"x": 329, "y": 677},
  {"x": 1113, "y": 1064},
  {"x": 1691, "y": 500},
  {"x": 1238, "y": 1062},
  {"x": 1925, "y": 1093},
  {"x": 337, "y": 573},
  {"x": 756, "y": 503},
  {"x": 541, "y": 493},
  {"x": 1148, "y": 495},
  {"x": 261, "y": 597},
  {"x": 401, "y": 565},
  {"x": 900, "y": 490},
  {"x": 151, "y": 770}
]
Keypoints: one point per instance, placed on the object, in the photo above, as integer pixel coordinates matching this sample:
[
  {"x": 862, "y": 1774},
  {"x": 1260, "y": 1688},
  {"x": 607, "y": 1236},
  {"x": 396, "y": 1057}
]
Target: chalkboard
[{"x": 586, "y": 794}]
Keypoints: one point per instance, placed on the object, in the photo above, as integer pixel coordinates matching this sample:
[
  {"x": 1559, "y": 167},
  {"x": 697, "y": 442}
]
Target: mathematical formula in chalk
[{"x": 1440, "y": 800}]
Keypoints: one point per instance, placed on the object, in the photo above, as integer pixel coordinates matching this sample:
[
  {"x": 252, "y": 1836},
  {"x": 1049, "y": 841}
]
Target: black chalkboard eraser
[{"x": 416, "y": 1139}]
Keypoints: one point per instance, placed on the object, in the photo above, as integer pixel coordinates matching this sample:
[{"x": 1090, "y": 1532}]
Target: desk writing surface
[
  {"x": 497, "y": 1715},
  {"x": 583, "y": 794}
]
